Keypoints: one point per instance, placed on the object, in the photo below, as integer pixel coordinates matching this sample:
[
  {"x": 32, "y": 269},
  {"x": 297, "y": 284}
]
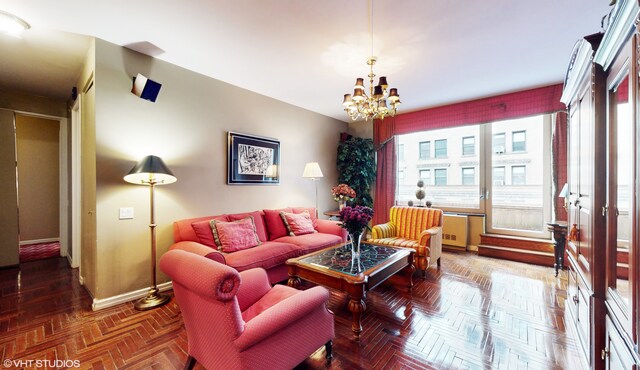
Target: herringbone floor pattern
[{"x": 475, "y": 313}]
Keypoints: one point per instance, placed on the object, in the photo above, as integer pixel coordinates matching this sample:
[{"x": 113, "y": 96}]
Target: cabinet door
[
  {"x": 616, "y": 354},
  {"x": 620, "y": 195}
]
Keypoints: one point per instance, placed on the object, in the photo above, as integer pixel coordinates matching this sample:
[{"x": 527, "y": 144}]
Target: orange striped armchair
[{"x": 413, "y": 227}]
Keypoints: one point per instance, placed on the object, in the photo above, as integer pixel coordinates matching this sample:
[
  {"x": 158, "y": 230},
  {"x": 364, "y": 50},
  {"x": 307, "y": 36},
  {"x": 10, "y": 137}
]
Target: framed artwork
[{"x": 252, "y": 159}]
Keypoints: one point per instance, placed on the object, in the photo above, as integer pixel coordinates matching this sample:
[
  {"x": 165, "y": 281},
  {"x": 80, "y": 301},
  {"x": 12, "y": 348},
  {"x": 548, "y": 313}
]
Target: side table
[{"x": 559, "y": 230}]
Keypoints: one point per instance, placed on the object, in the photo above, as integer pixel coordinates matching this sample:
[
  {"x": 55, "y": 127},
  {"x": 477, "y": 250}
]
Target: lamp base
[{"x": 152, "y": 300}]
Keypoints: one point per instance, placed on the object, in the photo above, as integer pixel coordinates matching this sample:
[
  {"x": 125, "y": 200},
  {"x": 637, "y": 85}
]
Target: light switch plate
[{"x": 126, "y": 213}]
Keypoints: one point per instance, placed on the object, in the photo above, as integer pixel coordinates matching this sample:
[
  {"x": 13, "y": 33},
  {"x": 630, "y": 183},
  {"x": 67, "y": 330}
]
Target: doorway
[{"x": 38, "y": 148}]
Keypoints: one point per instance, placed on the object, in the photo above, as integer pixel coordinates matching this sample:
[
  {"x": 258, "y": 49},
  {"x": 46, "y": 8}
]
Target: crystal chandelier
[{"x": 380, "y": 102}]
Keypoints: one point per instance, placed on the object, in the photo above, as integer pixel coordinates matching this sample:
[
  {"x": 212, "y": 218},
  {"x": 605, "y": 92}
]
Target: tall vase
[
  {"x": 341, "y": 204},
  {"x": 356, "y": 238}
]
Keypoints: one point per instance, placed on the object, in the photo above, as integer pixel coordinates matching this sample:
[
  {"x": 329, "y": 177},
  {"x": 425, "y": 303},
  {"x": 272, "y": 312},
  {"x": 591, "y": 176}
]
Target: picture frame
[{"x": 252, "y": 160}]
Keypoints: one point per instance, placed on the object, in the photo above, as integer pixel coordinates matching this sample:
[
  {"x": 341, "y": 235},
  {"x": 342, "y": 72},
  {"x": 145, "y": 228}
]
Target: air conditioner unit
[
  {"x": 455, "y": 230},
  {"x": 498, "y": 149}
]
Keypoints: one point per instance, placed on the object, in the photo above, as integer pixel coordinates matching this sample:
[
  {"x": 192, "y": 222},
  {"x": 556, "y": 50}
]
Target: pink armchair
[{"x": 238, "y": 321}]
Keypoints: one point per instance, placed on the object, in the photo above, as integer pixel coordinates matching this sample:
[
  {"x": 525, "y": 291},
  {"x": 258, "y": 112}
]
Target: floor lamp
[
  {"x": 151, "y": 171},
  {"x": 312, "y": 171}
]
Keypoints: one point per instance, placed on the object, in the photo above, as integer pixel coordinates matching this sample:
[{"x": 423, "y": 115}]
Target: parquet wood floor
[{"x": 475, "y": 313}]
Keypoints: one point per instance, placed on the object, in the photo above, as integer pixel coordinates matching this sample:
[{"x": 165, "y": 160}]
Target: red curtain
[
  {"x": 559, "y": 155},
  {"x": 385, "y": 192},
  {"x": 495, "y": 108}
]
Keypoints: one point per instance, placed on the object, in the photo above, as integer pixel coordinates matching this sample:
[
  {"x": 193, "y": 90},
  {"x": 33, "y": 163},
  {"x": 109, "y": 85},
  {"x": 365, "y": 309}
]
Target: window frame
[
  {"x": 465, "y": 177},
  {"x": 435, "y": 176},
  {"x": 426, "y": 143},
  {"x": 435, "y": 148},
  {"x": 513, "y": 141},
  {"x": 524, "y": 174},
  {"x": 473, "y": 148}
]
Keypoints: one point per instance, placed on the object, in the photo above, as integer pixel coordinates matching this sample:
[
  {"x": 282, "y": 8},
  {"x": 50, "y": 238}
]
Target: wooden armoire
[{"x": 601, "y": 94}]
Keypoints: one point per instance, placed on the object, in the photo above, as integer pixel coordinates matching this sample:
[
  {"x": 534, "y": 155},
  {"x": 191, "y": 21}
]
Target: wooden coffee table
[{"x": 335, "y": 268}]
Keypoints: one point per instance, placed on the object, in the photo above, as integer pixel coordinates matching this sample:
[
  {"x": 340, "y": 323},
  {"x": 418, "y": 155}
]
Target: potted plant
[{"x": 357, "y": 167}]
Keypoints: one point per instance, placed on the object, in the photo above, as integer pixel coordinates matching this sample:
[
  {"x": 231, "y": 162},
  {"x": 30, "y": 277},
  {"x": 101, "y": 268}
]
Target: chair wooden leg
[
  {"x": 191, "y": 362},
  {"x": 438, "y": 263},
  {"x": 329, "y": 349}
]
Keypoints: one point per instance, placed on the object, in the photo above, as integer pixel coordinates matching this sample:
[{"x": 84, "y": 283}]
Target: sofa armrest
[
  {"x": 332, "y": 227},
  {"x": 382, "y": 231},
  {"x": 281, "y": 315},
  {"x": 254, "y": 284},
  {"x": 201, "y": 250}
]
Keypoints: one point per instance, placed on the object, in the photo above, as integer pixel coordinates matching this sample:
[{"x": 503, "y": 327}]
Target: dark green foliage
[{"x": 357, "y": 168}]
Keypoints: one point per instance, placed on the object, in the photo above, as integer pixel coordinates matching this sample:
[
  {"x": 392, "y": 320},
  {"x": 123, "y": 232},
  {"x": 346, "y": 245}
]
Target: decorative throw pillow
[
  {"x": 235, "y": 235},
  {"x": 258, "y": 220},
  {"x": 203, "y": 230},
  {"x": 297, "y": 223},
  {"x": 275, "y": 225},
  {"x": 312, "y": 213}
]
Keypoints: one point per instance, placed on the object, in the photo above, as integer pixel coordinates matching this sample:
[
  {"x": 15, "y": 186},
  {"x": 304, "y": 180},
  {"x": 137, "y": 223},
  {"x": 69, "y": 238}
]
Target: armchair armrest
[
  {"x": 426, "y": 235},
  {"x": 281, "y": 315},
  {"x": 254, "y": 284},
  {"x": 332, "y": 227},
  {"x": 382, "y": 231},
  {"x": 201, "y": 250}
]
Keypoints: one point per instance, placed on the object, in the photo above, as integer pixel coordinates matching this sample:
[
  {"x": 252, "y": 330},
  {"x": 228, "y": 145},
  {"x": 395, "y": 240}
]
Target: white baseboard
[
  {"x": 39, "y": 241},
  {"x": 99, "y": 304}
]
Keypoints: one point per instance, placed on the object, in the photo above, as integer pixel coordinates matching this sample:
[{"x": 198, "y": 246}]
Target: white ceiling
[{"x": 308, "y": 53}]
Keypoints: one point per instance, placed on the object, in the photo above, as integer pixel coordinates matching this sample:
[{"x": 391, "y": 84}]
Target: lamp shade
[
  {"x": 312, "y": 170},
  {"x": 11, "y": 24},
  {"x": 564, "y": 192},
  {"x": 150, "y": 168}
]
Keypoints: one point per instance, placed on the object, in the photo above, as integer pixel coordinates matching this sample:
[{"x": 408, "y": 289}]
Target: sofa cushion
[
  {"x": 297, "y": 224},
  {"x": 203, "y": 230},
  {"x": 275, "y": 225},
  {"x": 266, "y": 255},
  {"x": 312, "y": 242},
  {"x": 258, "y": 220},
  {"x": 312, "y": 213},
  {"x": 275, "y": 295},
  {"x": 235, "y": 235}
]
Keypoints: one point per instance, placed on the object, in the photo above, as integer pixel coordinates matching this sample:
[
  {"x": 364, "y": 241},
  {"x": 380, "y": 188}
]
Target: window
[
  {"x": 498, "y": 175},
  {"x": 468, "y": 176},
  {"x": 425, "y": 149},
  {"x": 518, "y": 175},
  {"x": 519, "y": 141},
  {"x": 498, "y": 143},
  {"x": 425, "y": 176},
  {"x": 469, "y": 145},
  {"x": 441, "y": 148},
  {"x": 401, "y": 152},
  {"x": 440, "y": 175},
  {"x": 401, "y": 177}
]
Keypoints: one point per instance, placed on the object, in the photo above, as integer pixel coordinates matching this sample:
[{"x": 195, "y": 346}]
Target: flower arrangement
[
  {"x": 355, "y": 219},
  {"x": 343, "y": 192}
]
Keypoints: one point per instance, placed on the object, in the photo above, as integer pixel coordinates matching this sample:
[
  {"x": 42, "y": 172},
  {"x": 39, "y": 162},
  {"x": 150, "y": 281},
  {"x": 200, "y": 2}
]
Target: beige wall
[
  {"x": 37, "y": 142},
  {"x": 187, "y": 127}
]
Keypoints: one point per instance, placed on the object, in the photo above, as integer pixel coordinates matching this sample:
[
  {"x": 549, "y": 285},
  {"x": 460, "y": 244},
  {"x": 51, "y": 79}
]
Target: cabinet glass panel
[{"x": 621, "y": 192}]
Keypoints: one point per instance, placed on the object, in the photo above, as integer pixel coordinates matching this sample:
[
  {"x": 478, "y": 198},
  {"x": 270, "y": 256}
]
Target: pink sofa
[{"x": 194, "y": 235}]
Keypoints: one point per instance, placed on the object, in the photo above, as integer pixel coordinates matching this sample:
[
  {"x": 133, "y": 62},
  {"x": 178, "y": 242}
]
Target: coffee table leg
[
  {"x": 409, "y": 270},
  {"x": 357, "y": 307},
  {"x": 294, "y": 282}
]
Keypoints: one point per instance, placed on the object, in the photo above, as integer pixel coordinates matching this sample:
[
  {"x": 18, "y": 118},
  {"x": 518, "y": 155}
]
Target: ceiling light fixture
[
  {"x": 12, "y": 24},
  {"x": 380, "y": 102}
]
